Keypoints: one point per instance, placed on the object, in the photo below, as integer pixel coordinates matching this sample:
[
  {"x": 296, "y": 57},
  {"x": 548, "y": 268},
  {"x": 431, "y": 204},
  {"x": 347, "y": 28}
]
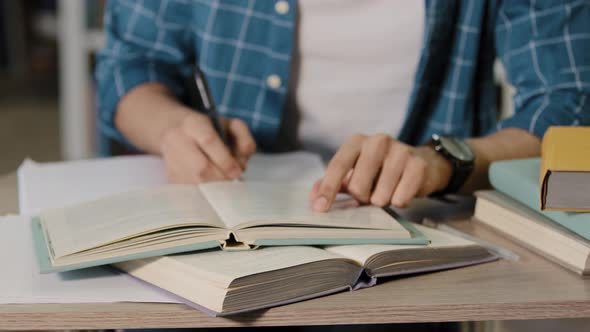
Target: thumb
[{"x": 243, "y": 142}]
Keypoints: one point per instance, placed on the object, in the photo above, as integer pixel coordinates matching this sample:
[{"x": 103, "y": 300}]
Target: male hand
[
  {"x": 381, "y": 171},
  {"x": 193, "y": 152}
]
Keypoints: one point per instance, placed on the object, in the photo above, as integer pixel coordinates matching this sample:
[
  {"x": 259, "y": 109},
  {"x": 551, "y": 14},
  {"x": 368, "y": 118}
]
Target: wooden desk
[{"x": 531, "y": 288}]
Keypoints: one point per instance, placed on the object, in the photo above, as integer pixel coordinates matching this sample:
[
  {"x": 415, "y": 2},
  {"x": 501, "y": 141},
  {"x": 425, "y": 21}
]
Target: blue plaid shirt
[{"x": 244, "y": 48}]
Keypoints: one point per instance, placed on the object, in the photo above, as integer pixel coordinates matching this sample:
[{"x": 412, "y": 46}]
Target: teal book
[
  {"x": 173, "y": 219},
  {"x": 519, "y": 179}
]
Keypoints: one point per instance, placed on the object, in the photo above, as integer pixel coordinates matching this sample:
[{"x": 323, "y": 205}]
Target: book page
[
  {"x": 247, "y": 204},
  {"x": 223, "y": 267},
  {"x": 83, "y": 226},
  {"x": 361, "y": 253}
]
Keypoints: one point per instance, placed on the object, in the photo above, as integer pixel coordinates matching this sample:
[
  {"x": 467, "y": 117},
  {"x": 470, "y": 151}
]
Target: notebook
[{"x": 224, "y": 283}]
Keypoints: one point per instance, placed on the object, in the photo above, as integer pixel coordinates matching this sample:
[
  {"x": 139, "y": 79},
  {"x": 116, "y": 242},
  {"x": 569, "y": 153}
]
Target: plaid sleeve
[
  {"x": 146, "y": 41},
  {"x": 545, "y": 48}
]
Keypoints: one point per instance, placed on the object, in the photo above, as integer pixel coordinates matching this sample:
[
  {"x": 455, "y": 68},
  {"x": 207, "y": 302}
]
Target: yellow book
[{"x": 565, "y": 169}]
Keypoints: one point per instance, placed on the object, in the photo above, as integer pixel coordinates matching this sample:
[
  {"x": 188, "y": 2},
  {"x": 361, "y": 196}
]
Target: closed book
[
  {"x": 519, "y": 179},
  {"x": 565, "y": 169},
  {"x": 532, "y": 230}
]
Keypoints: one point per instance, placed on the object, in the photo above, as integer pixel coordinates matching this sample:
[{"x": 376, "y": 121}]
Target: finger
[
  {"x": 243, "y": 142},
  {"x": 346, "y": 181},
  {"x": 367, "y": 167},
  {"x": 411, "y": 181},
  {"x": 188, "y": 164},
  {"x": 206, "y": 171},
  {"x": 342, "y": 162},
  {"x": 314, "y": 190},
  {"x": 391, "y": 172},
  {"x": 203, "y": 132},
  {"x": 345, "y": 203},
  {"x": 172, "y": 163}
]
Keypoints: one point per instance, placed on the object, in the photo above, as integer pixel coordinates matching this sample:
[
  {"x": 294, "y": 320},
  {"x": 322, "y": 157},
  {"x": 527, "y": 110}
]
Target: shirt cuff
[
  {"x": 116, "y": 80},
  {"x": 562, "y": 108}
]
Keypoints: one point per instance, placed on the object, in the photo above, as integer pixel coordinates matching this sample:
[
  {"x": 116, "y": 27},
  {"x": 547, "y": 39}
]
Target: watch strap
[
  {"x": 461, "y": 170},
  {"x": 458, "y": 178}
]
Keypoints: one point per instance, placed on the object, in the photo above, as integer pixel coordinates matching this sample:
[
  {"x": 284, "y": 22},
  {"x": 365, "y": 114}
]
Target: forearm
[
  {"x": 510, "y": 143},
  {"x": 146, "y": 113}
]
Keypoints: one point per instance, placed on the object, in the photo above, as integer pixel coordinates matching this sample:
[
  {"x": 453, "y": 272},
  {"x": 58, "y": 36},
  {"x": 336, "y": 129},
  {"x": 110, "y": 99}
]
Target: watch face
[{"x": 457, "y": 148}]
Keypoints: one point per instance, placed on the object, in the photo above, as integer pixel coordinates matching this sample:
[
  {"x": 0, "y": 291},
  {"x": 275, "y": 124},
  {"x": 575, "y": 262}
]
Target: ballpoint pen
[{"x": 200, "y": 90}]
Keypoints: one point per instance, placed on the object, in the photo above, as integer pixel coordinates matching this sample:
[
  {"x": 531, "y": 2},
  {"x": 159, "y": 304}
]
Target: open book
[
  {"x": 179, "y": 218},
  {"x": 231, "y": 282}
]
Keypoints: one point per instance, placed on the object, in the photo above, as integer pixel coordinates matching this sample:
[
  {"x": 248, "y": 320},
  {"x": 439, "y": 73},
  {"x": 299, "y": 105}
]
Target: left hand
[{"x": 381, "y": 171}]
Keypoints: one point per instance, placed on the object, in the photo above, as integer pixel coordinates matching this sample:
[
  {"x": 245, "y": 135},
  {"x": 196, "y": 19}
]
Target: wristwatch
[{"x": 461, "y": 157}]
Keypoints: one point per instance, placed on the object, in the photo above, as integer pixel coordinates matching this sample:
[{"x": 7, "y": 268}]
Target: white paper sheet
[
  {"x": 53, "y": 185},
  {"x": 21, "y": 281},
  {"x": 296, "y": 167}
]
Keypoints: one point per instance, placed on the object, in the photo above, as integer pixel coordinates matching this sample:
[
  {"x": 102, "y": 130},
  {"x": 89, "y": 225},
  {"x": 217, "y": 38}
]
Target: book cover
[
  {"x": 45, "y": 265},
  {"x": 519, "y": 179},
  {"x": 532, "y": 230},
  {"x": 230, "y": 283},
  {"x": 564, "y": 149}
]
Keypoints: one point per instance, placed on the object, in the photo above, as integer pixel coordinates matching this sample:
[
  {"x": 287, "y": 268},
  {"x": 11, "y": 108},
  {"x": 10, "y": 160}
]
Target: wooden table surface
[{"x": 531, "y": 288}]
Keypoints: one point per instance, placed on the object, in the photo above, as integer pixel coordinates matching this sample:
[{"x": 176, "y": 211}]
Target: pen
[{"x": 203, "y": 92}]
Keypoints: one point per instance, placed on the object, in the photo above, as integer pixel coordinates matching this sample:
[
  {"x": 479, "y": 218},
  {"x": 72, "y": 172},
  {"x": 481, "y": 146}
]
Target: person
[{"x": 335, "y": 77}]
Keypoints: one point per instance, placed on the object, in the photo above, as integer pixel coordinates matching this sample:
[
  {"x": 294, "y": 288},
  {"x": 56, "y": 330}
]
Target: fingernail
[
  {"x": 235, "y": 173},
  {"x": 320, "y": 204},
  {"x": 397, "y": 202},
  {"x": 243, "y": 160}
]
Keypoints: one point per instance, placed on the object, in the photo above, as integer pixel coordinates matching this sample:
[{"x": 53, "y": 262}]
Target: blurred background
[
  {"x": 46, "y": 89},
  {"x": 47, "y": 94}
]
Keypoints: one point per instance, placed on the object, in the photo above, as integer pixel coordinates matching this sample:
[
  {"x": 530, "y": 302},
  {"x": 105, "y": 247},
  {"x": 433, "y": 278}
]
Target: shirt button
[
  {"x": 282, "y": 7},
  {"x": 273, "y": 81}
]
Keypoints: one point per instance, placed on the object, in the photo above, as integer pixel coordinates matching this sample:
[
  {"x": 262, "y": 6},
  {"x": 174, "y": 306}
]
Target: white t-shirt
[{"x": 352, "y": 72}]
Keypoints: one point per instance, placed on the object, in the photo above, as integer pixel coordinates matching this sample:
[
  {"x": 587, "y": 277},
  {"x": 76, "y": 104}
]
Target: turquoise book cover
[
  {"x": 45, "y": 264},
  {"x": 519, "y": 179}
]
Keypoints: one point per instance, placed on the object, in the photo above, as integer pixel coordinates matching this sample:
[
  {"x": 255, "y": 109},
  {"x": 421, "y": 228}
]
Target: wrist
[
  {"x": 440, "y": 169},
  {"x": 145, "y": 113}
]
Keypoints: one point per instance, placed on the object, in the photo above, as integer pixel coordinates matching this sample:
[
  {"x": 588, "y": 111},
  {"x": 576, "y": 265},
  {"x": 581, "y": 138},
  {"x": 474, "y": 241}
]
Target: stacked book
[
  {"x": 542, "y": 203},
  {"x": 226, "y": 247}
]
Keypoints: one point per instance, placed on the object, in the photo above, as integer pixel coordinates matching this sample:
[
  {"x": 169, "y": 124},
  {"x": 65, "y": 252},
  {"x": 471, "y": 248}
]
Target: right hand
[{"x": 193, "y": 152}]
